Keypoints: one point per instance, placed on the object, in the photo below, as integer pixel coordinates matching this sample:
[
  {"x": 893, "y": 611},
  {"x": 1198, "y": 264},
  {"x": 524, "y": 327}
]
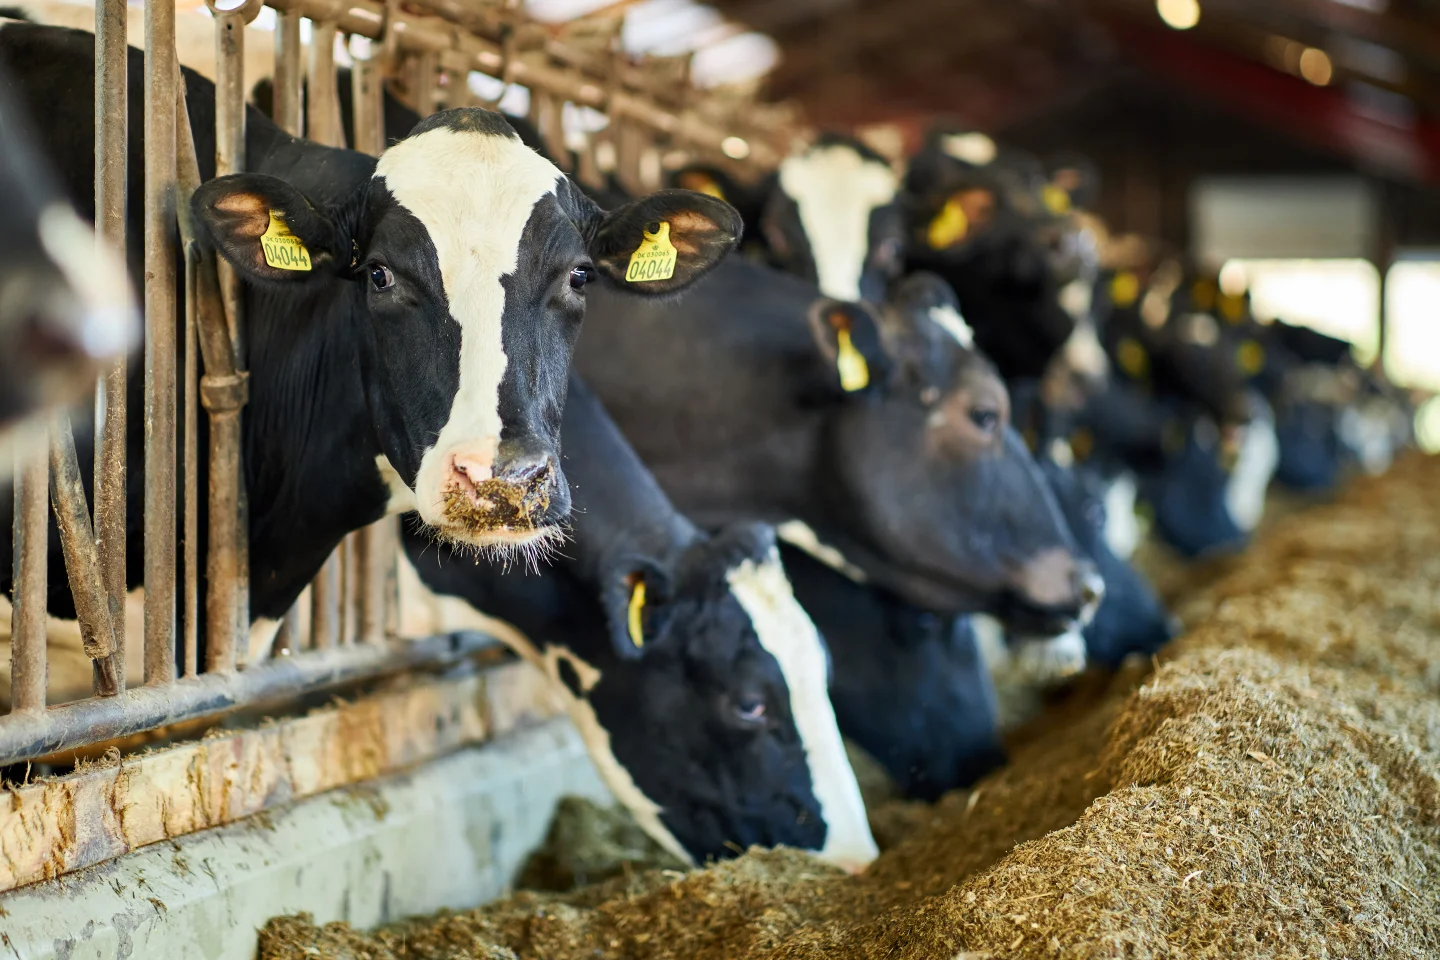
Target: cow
[
  {"x": 410, "y": 318},
  {"x": 66, "y": 304},
  {"x": 696, "y": 680},
  {"x": 887, "y": 442},
  {"x": 909, "y": 686}
]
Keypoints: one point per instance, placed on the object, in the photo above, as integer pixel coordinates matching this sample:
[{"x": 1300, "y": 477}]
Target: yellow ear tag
[
  {"x": 1232, "y": 308},
  {"x": 1124, "y": 289},
  {"x": 283, "y": 250},
  {"x": 1251, "y": 357},
  {"x": 710, "y": 188},
  {"x": 949, "y": 226},
  {"x": 1133, "y": 358},
  {"x": 637, "y": 606},
  {"x": 655, "y": 258},
  {"x": 1057, "y": 201},
  {"x": 854, "y": 371}
]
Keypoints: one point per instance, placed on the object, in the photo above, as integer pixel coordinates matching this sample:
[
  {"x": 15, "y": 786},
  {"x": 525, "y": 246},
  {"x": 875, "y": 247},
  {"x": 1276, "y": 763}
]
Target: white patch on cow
[
  {"x": 1076, "y": 297},
  {"x": 262, "y": 640},
  {"x": 474, "y": 193},
  {"x": 787, "y": 634},
  {"x": 947, "y": 318},
  {"x": 1122, "y": 526},
  {"x": 1083, "y": 353},
  {"x": 801, "y": 536},
  {"x": 109, "y": 323},
  {"x": 1062, "y": 453},
  {"x": 402, "y": 498},
  {"x": 1199, "y": 329},
  {"x": 1368, "y": 430},
  {"x": 834, "y": 189},
  {"x": 973, "y": 148},
  {"x": 424, "y": 612},
  {"x": 1254, "y": 466},
  {"x": 990, "y": 641},
  {"x": 1048, "y": 660}
]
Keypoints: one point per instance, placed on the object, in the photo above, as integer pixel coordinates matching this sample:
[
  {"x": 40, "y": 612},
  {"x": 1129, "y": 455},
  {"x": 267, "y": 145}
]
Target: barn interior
[{"x": 1245, "y": 764}]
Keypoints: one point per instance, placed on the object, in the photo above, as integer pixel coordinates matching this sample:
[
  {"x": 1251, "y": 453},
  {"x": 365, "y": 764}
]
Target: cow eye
[
  {"x": 581, "y": 276},
  {"x": 750, "y": 708},
  {"x": 985, "y": 419},
  {"x": 380, "y": 277}
]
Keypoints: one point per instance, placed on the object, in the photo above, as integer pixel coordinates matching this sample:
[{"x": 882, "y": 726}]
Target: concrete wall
[{"x": 451, "y": 833}]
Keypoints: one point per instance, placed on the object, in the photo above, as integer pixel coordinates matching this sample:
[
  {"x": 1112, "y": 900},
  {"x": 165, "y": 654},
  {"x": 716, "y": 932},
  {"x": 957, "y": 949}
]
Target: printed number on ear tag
[
  {"x": 949, "y": 226},
  {"x": 637, "y": 608},
  {"x": 854, "y": 371},
  {"x": 283, "y": 250},
  {"x": 655, "y": 258}
]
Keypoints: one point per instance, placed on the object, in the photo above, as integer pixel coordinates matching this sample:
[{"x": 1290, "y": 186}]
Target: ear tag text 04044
[
  {"x": 949, "y": 226},
  {"x": 854, "y": 371},
  {"x": 655, "y": 258},
  {"x": 283, "y": 250},
  {"x": 634, "y": 618}
]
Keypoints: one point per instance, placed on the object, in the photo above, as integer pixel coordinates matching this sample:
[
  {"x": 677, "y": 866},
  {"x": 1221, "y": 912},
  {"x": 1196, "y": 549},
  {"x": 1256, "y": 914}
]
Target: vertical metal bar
[
  {"x": 427, "y": 82},
  {"x": 377, "y": 562},
  {"x": 160, "y": 74},
  {"x": 350, "y": 588},
  {"x": 82, "y": 559},
  {"x": 367, "y": 103},
  {"x": 111, "y": 131},
  {"x": 190, "y": 625},
  {"x": 287, "y": 638},
  {"x": 321, "y": 109},
  {"x": 288, "y": 74},
  {"x": 27, "y": 617},
  {"x": 325, "y": 605}
]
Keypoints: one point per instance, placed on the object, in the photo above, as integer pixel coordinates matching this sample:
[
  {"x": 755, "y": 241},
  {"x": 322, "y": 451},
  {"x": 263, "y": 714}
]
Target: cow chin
[{"x": 502, "y": 543}]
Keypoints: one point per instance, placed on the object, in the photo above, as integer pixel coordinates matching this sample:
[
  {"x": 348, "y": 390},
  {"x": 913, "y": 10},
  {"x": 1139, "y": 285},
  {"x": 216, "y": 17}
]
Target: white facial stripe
[
  {"x": 947, "y": 318},
  {"x": 1083, "y": 352},
  {"x": 973, "y": 148},
  {"x": 1254, "y": 466},
  {"x": 424, "y": 612},
  {"x": 110, "y": 323},
  {"x": 1045, "y": 661},
  {"x": 799, "y": 535},
  {"x": 1122, "y": 527},
  {"x": 788, "y": 635},
  {"x": 474, "y": 193},
  {"x": 835, "y": 189}
]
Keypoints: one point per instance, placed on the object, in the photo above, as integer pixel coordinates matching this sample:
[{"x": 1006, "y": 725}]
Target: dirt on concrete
[{"x": 1271, "y": 790}]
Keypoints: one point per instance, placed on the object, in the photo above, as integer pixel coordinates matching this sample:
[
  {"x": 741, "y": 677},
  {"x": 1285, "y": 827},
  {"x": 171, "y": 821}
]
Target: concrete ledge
[{"x": 451, "y": 833}]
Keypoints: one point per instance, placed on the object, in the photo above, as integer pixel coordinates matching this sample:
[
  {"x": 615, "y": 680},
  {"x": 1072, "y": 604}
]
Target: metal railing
[{"x": 354, "y": 600}]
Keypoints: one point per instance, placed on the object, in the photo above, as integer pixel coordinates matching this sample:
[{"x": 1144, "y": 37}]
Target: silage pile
[{"x": 1273, "y": 790}]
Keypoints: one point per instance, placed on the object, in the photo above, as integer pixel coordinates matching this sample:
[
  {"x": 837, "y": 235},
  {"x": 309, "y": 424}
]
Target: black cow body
[
  {"x": 409, "y": 365},
  {"x": 701, "y": 699}
]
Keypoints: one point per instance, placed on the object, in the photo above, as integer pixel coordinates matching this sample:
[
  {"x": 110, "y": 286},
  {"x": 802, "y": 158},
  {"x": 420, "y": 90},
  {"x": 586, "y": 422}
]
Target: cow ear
[
  {"x": 662, "y": 243},
  {"x": 266, "y": 229},
  {"x": 849, "y": 339},
  {"x": 630, "y": 602}
]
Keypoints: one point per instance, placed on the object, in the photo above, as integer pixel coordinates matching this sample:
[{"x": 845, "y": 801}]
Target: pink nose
[{"x": 468, "y": 468}]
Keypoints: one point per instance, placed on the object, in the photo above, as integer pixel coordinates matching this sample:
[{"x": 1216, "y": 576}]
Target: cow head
[
  {"x": 66, "y": 305},
  {"x": 466, "y": 257},
  {"x": 716, "y": 710},
  {"x": 927, "y": 489}
]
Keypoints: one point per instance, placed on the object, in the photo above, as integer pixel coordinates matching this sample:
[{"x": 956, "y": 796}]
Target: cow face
[
  {"x": 466, "y": 258},
  {"x": 834, "y": 220},
  {"x": 928, "y": 474},
  {"x": 716, "y": 712},
  {"x": 65, "y": 305}
]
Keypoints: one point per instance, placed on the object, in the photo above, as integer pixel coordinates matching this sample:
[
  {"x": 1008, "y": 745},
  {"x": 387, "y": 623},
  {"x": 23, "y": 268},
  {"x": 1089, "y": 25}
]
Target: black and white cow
[
  {"x": 66, "y": 304},
  {"x": 696, "y": 680},
  {"x": 418, "y": 358},
  {"x": 910, "y": 472}
]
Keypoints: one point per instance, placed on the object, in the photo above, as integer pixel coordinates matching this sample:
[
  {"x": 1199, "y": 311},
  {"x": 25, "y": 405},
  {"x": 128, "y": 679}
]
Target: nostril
[{"x": 529, "y": 470}]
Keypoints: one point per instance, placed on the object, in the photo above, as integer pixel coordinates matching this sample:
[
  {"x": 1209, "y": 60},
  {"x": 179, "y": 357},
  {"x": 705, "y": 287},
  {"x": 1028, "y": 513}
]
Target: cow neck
[{"x": 306, "y": 354}]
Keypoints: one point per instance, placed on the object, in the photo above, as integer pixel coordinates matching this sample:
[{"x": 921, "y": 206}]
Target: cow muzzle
[
  {"x": 1058, "y": 583},
  {"x": 512, "y": 493}
]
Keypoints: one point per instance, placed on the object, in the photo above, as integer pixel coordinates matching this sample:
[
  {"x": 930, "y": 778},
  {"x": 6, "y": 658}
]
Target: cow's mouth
[{"x": 501, "y": 514}]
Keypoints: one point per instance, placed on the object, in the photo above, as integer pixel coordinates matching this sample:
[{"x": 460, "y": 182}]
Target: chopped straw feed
[{"x": 1271, "y": 790}]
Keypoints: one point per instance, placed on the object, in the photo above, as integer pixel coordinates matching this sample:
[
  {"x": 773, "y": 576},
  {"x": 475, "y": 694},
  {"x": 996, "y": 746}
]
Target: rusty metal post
[
  {"x": 190, "y": 601},
  {"x": 160, "y": 254},
  {"x": 321, "y": 103},
  {"x": 82, "y": 559},
  {"x": 367, "y": 100},
  {"x": 288, "y": 75},
  {"x": 350, "y": 588},
  {"x": 377, "y": 545},
  {"x": 325, "y": 605},
  {"x": 111, "y": 130},
  {"x": 27, "y": 617}
]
